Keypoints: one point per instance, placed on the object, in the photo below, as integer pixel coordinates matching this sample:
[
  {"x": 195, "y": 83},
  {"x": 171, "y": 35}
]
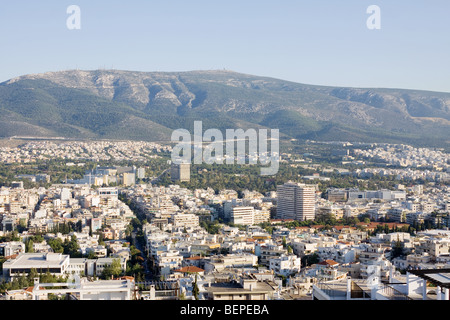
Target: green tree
[
  {"x": 71, "y": 247},
  {"x": 195, "y": 289},
  {"x": 29, "y": 246},
  {"x": 284, "y": 242},
  {"x": 56, "y": 244},
  {"x": 397, "y": 249},
  {"x": 112, "y": 270},
  {"x": 310, "y": 259},
  {"x": 91, "y": 255},
  {"x": 289, "y": 249}
]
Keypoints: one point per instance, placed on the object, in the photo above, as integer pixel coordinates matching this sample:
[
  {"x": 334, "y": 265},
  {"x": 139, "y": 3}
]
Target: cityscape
[
  {"x": 140, "y": 232},
  {"x": 224, "y": 158}
]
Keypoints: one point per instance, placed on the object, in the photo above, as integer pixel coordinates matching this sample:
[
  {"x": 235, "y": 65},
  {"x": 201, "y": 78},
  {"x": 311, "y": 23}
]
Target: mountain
[{"x": 113, "y": 104}]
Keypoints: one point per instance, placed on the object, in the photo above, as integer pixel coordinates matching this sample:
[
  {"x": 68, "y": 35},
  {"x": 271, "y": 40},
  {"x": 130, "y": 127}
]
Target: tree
[
  {"x": 29, "y": 246},
  {"x": 71, "y": 247},
  {"x": 397, "y": 249},
  {"x": 79, "y": 226},
  {"x": 310, "y": 259},
  {"x": 195, "y": 289},
  {"x": 101, "y": 240},
  {"x": 31, "y": 275},
  {"x": 92, "y": 255},
  {"x": 112, "y": 270},
  {"x": 56, "y": 245}
]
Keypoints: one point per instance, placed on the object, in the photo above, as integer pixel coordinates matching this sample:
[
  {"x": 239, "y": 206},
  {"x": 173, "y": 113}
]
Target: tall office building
[
  {"x": 180, "y": 172},
  {"x": 296, "y": 201}
]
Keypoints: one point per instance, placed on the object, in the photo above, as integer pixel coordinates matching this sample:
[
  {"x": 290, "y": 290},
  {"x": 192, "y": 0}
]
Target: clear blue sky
[{"x": 315, "y": 42}]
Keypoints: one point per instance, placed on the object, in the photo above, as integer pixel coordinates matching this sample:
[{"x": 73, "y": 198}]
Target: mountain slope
[{"x": 149, "y": 105}]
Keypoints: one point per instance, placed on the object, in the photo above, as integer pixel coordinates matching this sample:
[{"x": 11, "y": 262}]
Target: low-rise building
[
  {"x": 11, "y": 248},
  {"x": 285, "y": 265},
  {"x": 248, "y": 288},
  {"x": 55, "y": 263}
]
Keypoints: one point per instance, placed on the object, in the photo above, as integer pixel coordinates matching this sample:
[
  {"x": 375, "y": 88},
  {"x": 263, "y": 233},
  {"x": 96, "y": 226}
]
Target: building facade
[{"x": 296, "y": 201}]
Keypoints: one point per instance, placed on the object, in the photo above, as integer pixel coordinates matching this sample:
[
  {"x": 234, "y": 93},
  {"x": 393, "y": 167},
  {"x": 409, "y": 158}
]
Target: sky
[{"x": 313, "y": 42}]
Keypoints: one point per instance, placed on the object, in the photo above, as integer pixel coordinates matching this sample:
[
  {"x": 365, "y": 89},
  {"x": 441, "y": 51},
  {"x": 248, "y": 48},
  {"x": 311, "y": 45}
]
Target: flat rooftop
[
  {"x": 36, "y": 260},
  {"x": 236, "y": 288}
]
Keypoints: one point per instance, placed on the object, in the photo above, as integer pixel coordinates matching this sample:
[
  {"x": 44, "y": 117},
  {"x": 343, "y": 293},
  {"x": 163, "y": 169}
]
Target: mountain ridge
[{"x": 104, "y": 103}]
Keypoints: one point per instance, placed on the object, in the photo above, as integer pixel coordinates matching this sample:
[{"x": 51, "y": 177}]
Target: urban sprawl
[{"x": 117, "y": 232}]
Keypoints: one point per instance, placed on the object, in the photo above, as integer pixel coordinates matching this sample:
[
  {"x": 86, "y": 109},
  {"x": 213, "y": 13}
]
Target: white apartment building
[
  {"x": 102, "y": 263},
  {"x": 434, "y": 247},
  {"x": 11, "y": 248},
  {"x": 373, "y": 260},
  {"x": 121, "y": 289},
  {"x": 241, "y": 215},
  {"x": 261, "y": 216},
  {"x": 267, "y": 251},
  {"x": 285, "y": 265},
  {"x": 185, "y": 220},
  {"x": 340, "y": 253},
  {"x": 296, "y": 201},
  {"x": 398, "y": 214},
  {"x": 220, "y": 263},
  {"x": 167, "y": 261},
  {"x": 303, "y": 247}
]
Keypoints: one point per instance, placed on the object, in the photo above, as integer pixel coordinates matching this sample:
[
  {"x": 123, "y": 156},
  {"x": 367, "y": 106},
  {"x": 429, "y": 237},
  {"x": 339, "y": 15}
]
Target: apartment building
[
  {"x": 185, "y": 220},
  {"x": 167, "y": 261},
  {"x": 285, "y": 265},
  {"x": 267, "y": 251},
  {"x": 296, "y": 201},
  {"x": 11, "y": 248},
  {"x": 303, "y": 247},
  {"x": 180, "y": 172},
  {"x": 248, "y": 288},
  {"x": 340, "y": 253},
  {"x": 222, "y": 262},
  {"x": 241, "y": 215},
  {"x": 433, "y": 247}
]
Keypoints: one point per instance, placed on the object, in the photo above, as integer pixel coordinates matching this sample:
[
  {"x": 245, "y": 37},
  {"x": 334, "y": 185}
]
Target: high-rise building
[
  {"x": 296, "y": 201},
  {"x": 140, "y": 173},
  {"x": 180, "y": 171},
  {"x": 128, "y": 178}
]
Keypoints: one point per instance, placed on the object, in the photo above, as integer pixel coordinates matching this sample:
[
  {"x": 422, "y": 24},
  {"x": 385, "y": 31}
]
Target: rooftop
[
  {"x": 439, "y": 277},
  {"x": 190, "y": 269},
  {"x": 37, "y": 260},
  {"x": 236, "y": 288}
]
